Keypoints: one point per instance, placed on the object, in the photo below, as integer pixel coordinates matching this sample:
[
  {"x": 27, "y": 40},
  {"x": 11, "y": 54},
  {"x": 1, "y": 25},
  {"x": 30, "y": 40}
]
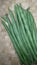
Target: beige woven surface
[{"x": 8, "y": 55}]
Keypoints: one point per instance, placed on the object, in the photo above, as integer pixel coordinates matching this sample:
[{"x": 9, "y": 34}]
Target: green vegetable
[
  {"x": 27, "y": 27},
  {"x": 22, "y": 31}
]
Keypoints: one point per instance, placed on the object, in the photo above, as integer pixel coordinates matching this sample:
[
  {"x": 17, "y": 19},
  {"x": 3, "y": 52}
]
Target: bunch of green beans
[{"x": 22, "y": 31}]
